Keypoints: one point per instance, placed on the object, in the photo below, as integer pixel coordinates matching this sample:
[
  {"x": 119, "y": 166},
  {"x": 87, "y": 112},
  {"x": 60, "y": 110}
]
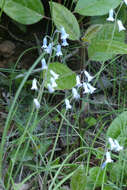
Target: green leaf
[
  {"x": 96, "y": 175},
  {"x": 78, "y": 181},
  {"x": 91, "y": 32},
  {"x": 67, "y": 78},
  {"x": 24, "y": 11},
  {"x": 107, "y": 43},
  {"x": 95, "y": 7},
  {"x": 63, "y": 17},
  {"x": 118, "y": 126}
]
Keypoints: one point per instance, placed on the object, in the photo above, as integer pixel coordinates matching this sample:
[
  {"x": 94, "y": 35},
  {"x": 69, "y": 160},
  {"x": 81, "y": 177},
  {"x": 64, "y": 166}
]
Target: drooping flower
[
  {"x": 125, "y": 1},
  {"x": 50, "y": 88},
  {"x": 37, "y": 104},
  {"x": 53, "y": 82},
  {"x": 91, "y": 88},
  {"x": 64, "y": 35},
  {"x": 120, "y": 25},
  {"x": 49, "y": 48},
  {"x": 114, "y": 145},
  {"x": 55, "y": 75},
  {"x": 110, "y": 18},
  {"x": 76, "y": 95},
  {"x": 89, "y": 77},
  {"x": 88, "y": 88},
  {"x": 64, "y": 42},
  {"x": 59, "y": 52},
  {"x": 44, "y": 65},
  {"x": 44, "y": 43},
  {"x": 108, "y": 160},
  {"x": 67, "y": 103},
  {"x": 34, "y": 85},
  {"x": 78, "y": 83}
]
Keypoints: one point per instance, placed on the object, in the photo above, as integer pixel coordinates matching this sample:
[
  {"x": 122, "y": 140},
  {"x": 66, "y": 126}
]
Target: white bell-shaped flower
[
  {"x": 53, "y": 82},
  {"x": 91, "y": 88},
  {"x": 67, "y": 103},
  {"x": 34, "y": 85},
  {"x": 120, "y": 25},
  {"x": 118, "y": 147},
  {"x": 114, "y": 145},
  {"x": 108, "y": 160},
  {"x": 76, "y": 95},
  {"x": 44, "y": 43},
  {"x": 64, "y": 42},
  {"x": 44, "y": 65},
  {"x": 55, "y": 75},
  {"x": 110, "y": 18},
  {"x": 49, "y": 48},
  {"x": 64, "y": 35},
  {"x": 59, "y": 52},
  {"x": 89, "y": 77},
  {"x": 50, "y": 88},
  {"x": 37, "y": 104},
  {"x": 86, "y": 89},
  {"x": 78, "y": 83}
]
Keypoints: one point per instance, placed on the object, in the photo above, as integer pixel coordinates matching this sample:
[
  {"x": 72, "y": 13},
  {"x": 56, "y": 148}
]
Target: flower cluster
[
  {"x": 48, "y": 48},
  {"x": 112, "y": 19},
  {"x": 87, "y": 87},
  {"x": 114, "y": 146}
]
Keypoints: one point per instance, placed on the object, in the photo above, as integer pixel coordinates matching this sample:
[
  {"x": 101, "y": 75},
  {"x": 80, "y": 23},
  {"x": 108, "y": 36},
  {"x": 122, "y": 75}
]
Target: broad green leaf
[
  {"x": 67, "y": 78},
  {"x": 24, "y": 11},
  {"x": 107, "y": 43},
  {"x": 116, "y": 172},
  {"x": 104, "y": 49},
  {"x": 95, "y": 7},
  {"x": 97, "y": 176},
  {"x": 78, "y": 181},
  {"x": 91, "y": 32},
  {"x": 118, "y": 126},
  {"x": 63, "y": 17}
]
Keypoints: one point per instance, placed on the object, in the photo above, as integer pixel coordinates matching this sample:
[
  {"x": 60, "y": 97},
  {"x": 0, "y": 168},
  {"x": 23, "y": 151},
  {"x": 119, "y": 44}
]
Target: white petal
[
  {"x": 50, "y": 88},
  {"x": 64, "y": 42},
  {"x": 53, "y": 82},
  {"x": 67, "y": 103},
  {"x": 86, "y": 89},
  {"x": 75, "y": 94},
  {"x": 91, "y": 88},
  {"x": 118, "y": 147},
  {"x": 59, "y": 52},
  {"x": 55, "y": 75},
  {"x": 110, "y": 18},
  {"x": 89, "y": 77},
  {"x": 120, "y": 25},
  {"x": 44, "y": 65},
  {"x": 112, "y": 144},
  {"x": 64, "y": 35},
  {"x": 78, "y": 83},
  {"x": 108, "y": 158},
  {"x": 49, "y": 48},
  {"x": 44, "y": 43},
  {"x": 34, "y": 85},
  {"x": 36, "y": 102}
]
